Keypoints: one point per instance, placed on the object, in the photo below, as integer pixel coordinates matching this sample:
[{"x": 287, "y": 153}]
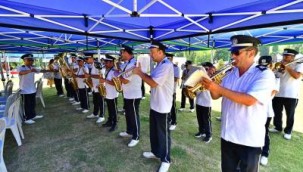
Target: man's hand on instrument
[
  {"x": 137, "y": 70},
  {"x": 209, "y": 84}
]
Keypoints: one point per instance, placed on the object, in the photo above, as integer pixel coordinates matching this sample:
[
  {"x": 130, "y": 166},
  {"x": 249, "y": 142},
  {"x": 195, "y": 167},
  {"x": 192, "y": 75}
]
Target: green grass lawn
[{"x": 65, "y": 141}]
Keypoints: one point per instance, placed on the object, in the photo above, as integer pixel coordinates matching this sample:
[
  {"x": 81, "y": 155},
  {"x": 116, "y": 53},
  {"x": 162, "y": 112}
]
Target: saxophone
[
  {"x": 117, "y": 81},
  {"x": 101, "y": 87},
  {"x": 217, "y": 77},
  {"x": 73, "y": 80},
  {"x": 88, "y": 81}
]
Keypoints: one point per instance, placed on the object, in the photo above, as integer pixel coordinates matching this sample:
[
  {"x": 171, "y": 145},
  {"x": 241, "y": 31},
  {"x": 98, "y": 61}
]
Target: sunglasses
[{"x": 238, "y": 52}]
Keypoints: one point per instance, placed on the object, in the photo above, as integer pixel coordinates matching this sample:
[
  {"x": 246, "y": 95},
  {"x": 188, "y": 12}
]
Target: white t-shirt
[
  {"x": 241, "y": 124},
  {"x": 111, "y": 92},
  {"x": 131, "y": 90},
  {"x": 289, "y": 86},
  {"x": 26, "y": 82},
  {"x": 176, "y": 75},
  {"x": 162, "y": 96},
  {"x": 270, "y": 111},
  {"x": 203, "y": 98},
  {"x": 56, "y": 67},
  {"x": 95, "y": 71},
  {"x": 80, "y": 81}
]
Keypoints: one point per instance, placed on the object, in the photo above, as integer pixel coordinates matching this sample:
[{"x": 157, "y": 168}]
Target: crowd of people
[{"x": 249, "y": 97}]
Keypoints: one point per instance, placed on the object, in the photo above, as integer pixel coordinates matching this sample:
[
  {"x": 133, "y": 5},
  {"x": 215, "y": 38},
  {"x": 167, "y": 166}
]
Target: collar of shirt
[{"x": 250, "y": 70}]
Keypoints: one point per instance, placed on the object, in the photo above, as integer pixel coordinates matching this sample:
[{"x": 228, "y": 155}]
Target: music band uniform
[
  {"x": 58, "y": 78},
  {"x": 132, "y": 94},
  {"x": 185, "y": 75},
  {"x": 82, "y": 90}
]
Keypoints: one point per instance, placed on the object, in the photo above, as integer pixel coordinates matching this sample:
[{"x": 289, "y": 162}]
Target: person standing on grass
[
  {"x": 131, "y": 85},
  {"x": 185, "y": 74},
  {"x": 288, "y": 96},
  {"x": 161, "y": 82},
  {"x": 173, "y": 111},
  {"x": 50, "y": 78},
  {"x": 28, "y": 88},
  {"x": 245, "y": 92},
  {"x": 203, "y": 107},
  {"x": 266, "y": 62},
  {"x": 58, "y": 77},
  {"x": 111, "y": 93}
]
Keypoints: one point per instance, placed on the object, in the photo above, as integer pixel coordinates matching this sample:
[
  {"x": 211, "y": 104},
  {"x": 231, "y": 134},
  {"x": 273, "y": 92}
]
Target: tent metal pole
[
  {"x": 7, "y": 68},
  {"x": 1, "y": 70}
]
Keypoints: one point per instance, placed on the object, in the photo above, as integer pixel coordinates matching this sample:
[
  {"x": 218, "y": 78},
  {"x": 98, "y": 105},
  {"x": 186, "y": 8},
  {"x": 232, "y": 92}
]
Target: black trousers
[
  {"x": 83, "y": 97},
  {"x": 29, "y": 105},
  {"x": 160, "y": 140},
  {"x": 75, "y": 94},
  {"x": 143, "y": 89},
  {"x": 173, "y": 112},
  {"x": 132, "y": 117},
  {"x": 183, "y": 100},
  {"x": 265, "y": 149},
  {"x": 68, "y": 88},
  {"x": 204, "y": 120},
  {"x": 98, "y": 102},
  {"x": 234, "y": 156},
  {"x": 290, "y": 105},
  {"x": 112, "y": 111},
  {"x": 58, "y": 84}
]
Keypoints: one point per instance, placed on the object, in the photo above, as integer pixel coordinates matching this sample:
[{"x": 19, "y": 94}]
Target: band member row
[
  {"x": 131, "y": 85},
  {"x": 111, "y": 93},
  {"x": 98, "y": 100}
]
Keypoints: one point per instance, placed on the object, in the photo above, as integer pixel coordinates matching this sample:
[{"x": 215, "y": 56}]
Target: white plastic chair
[
  {"x": 2, "y": 138},
  {"x": 39, "y": 93},
  {"x": 7, "y": 91}
]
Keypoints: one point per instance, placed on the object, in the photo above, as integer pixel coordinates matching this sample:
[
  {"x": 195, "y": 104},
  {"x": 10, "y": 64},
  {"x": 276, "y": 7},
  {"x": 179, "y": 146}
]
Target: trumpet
[
  {"x": 280, "y": 68},
  {"x": 217, "y": 77},
  {"x": 117, "y": 81}
]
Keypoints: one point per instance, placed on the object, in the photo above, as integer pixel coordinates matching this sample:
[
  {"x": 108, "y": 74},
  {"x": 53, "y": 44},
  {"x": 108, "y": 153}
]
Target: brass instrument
[
  {"x": 279, "y": 68},
  {"x": 88, "y": 81},
  {"x": 217, "y": 77},
  {"x": 101, "y": 87},
  {"x": 64, "y": 68},
  {"x": 117, "y": 81}
]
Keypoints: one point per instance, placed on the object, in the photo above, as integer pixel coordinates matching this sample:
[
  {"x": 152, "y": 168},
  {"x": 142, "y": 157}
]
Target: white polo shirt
[
  {"x": 111, "y": 92},
  {"x": 270, "y": 110},
  {"x": 162, "y": 96},
  {"x": 80, "y": 81},
  {"x": 203, "y": 98},
  {"x": 26, "y": 82},
  {"x": 241, "y": 124},
  {"x": 289, "y": 86},
  {"x": 176, "y": 75},
  {"x": 131, "y": 90},
  {"x": 57, "y": 75},
  {"x": 95, "y": 71}
]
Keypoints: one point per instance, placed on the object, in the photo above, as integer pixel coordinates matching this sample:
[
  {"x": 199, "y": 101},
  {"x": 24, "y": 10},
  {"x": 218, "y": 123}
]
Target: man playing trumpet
[
  {"x": 245, "y": 93},
  {"x": 131, "y": 85}
]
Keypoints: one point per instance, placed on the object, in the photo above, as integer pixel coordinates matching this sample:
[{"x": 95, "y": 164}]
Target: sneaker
[
  {"x": 121, "y": 110},
  {"x": 133, "y": 143},
  {"x": 76, "y": 103},
  {"x": 61, "y": 95},
  {"x": 287, "y": 136},
  {"x": 164, "y": 167},
  {"x": 71, "y": 99},
  {"x": 124, "y": 134},
  {"x": 100, "y": 119},
  {"x": 85, "y": 111},
  {"x": 90, "y": 93},
  {"x": 38, "y": 117},
  {"x": 191, "y": 110},
  {"x": 113, "y": 128},
  {"x": 199, "y": 135},
  {"x": 143, "y": 98},
  {"x": 273, "y": 130},
  {"x": 30, "y": 121},
  {"x": 264, "y": 160},
  {"x": 218, "y": 118},
  {"x": 72, "y": 102},
  {"x": 79, "y": 108},
  {"x": 172, "y": 127},
  {"x": 149, "y": 155},
  {"x": 91, "y": 116},
  {"x": 181, "y": 109},
  {"x": 207, "y": 139}
]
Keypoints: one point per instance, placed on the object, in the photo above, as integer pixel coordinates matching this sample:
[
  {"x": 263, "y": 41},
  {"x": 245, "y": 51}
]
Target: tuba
[
  {"x": 101, "y": 87},
  {"x": 117, "y": 81},
  {"x": 217, "y": 77},
  {"x": 64, "y": 68}
]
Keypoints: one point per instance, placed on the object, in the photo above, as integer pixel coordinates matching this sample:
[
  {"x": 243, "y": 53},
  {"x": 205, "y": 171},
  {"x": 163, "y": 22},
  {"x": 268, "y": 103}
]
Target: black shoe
[
  {"x": 207, "y": 139},
  {"x": 113, "y": 128},
  {"x": 107, "y": 124}
]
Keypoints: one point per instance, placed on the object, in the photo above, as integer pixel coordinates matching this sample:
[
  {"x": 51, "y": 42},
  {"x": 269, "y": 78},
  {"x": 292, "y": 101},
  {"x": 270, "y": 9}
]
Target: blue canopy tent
[{"x": 67, "y": 25}]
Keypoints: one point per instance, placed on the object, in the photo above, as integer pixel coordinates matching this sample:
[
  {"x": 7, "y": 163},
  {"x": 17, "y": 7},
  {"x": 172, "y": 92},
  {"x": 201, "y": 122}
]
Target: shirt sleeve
[
  {"x": 163, "y": 73},
  {"x": 20, "y": 68},
  {"x": 176, "y": 72},
  {"x": 299, "y": 68},
  {"x": 262, "y": 87}
]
